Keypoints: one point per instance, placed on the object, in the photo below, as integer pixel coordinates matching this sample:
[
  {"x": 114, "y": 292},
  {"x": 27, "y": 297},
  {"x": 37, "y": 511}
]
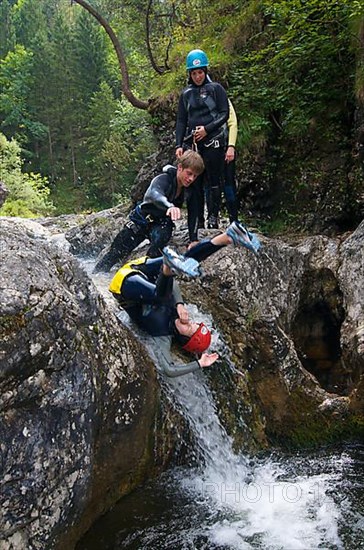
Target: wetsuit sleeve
[
  {"x": 172, "y": 369},
  {"x": 162, "y": 351},
  {"x": 222, "y": 107},
  {"x": 137, "y": 289},
  {"x": 181, "y": 124},
  {"x": 176, "y": 292},
  {"x": 157, "y": 193},
  {"x": 232, "y": 125}
]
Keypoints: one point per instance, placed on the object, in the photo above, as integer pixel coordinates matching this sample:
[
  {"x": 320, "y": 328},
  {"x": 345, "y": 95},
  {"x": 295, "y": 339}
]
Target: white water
[
  {"x": 260, "y": 506},
  {"x": 251, "y": 504}
]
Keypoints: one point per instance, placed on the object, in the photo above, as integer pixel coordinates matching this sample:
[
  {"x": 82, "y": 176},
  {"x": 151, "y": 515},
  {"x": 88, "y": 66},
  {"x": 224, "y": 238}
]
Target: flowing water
[{"x": 229, "y": 501}]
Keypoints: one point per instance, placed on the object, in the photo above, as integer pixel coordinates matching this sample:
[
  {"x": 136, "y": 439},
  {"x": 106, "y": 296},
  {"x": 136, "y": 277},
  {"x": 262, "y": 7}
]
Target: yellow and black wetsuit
[{"x": 150, "y": 298}]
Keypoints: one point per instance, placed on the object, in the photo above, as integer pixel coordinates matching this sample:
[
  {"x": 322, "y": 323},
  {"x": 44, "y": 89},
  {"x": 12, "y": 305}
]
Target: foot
[
  {"x": 179, "y": 264},
  {"x": 242, "y": 237},
  {"x": 212, "y": 222}
]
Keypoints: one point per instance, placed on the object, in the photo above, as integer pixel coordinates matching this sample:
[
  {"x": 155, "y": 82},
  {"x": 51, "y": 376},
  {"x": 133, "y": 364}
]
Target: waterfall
[{"x": 259, "y": 503}]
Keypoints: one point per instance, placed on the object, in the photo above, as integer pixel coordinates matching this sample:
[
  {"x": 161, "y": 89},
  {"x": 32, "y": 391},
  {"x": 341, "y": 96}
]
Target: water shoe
[
  {"x": 242, "y": 237},
  {"x": 179, "y": 264}
]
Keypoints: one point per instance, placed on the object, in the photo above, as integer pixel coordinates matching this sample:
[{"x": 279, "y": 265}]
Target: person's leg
[
  {"x": 151, "y": 268},
  {"x": 159, "y": 235},
  {"x": 137, "y": 288},
  {"x": 156, "y": 286},
  {"x": 199, "y": 197},
  {"x": 235, "y": 234},
  {"x": 214, "y": 164},
  {"x": 230, "y": 190},
  {"x": 207, "y": 247},
  {"x": 125, "y": 241}
]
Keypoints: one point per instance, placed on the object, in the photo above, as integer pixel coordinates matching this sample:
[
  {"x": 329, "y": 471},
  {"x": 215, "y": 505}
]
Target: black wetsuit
[
  {"x": 149, "y": 220},
  {"x": 150, "y": 298},
  {"x": 206, "y": 105}
]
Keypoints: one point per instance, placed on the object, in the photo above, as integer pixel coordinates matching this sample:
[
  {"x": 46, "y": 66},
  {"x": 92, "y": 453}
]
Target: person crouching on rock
[
  {"x": 147, "y": 289},
  {"x": 154, "y": 218}
]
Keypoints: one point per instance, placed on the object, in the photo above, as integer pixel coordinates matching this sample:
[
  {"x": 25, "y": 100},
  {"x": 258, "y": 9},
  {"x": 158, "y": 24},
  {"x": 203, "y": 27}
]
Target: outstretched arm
[{"x": 170, "y": 368}]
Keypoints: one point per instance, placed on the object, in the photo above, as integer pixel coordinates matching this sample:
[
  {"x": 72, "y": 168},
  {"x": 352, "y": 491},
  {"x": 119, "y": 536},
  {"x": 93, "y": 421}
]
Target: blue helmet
[{"x": 196, "y": 59}]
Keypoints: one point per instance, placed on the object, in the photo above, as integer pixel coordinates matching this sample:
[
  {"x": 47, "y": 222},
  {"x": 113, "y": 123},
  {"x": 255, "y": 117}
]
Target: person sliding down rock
[
  {"x": 154, "y": 218},
  {"x": 148, "y": 291}
]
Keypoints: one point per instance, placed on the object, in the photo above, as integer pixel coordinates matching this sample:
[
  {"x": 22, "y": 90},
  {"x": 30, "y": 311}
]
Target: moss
[
  {"x": 308, "y": 427},
  {"x": 11, "y": 323},
  {"x": 101, "y": 221}
]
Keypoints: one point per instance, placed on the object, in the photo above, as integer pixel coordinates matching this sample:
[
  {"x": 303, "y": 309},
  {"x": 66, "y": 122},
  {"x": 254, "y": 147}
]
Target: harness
[
  {"x": 216, "y": 141},
  {"x": 125, "y": 271}
]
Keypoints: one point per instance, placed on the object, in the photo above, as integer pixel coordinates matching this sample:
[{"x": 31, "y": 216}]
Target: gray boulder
[
  {"x": 78, "y": 396},
  {"x": 293, "y": 321}
]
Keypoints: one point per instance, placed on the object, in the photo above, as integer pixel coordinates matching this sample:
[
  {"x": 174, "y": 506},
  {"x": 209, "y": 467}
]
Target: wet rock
[
  {"x": 78, "y": 396},
  {"x": 309, "y": 288},
  {"x": 292, "y": 319}
]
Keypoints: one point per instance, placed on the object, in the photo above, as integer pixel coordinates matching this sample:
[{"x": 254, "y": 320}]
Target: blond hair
[{"x": 192, "y": 160}]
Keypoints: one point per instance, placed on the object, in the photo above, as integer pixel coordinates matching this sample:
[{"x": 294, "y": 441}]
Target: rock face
[
  {"x": 293, "y": 320},
  {"x": 78, "y": 396},
  {"x": 82, "y": 418}
]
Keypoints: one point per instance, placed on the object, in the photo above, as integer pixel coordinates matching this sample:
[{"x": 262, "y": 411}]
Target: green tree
[
  {"x": 7, "y": 38},
  {"x": 89, "y": 56},
  {"x": 15, "y": 85},
  {"x": 119, "y": 138},
  {"x": 28, "y": 193}
]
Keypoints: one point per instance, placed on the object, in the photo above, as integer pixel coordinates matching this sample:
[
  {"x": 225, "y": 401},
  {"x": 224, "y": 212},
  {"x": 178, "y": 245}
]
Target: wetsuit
[
  {"x": 149, "y": 220},
  {"x": 205, "y": 105},
  {"x": 151, "y": 298}
]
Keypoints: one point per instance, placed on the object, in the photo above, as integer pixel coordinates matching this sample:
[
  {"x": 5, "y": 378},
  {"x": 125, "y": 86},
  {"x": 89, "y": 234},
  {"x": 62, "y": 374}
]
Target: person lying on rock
[
  {"x": 146, "y": 288},
  {"x": 154, "y": 217}
]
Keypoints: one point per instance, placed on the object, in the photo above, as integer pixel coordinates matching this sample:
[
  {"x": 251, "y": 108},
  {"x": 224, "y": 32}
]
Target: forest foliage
[{"x": 288, "y": 65}]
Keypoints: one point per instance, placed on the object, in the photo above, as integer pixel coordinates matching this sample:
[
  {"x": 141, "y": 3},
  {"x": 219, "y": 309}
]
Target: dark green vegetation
[{"x": 294, "y": 70}]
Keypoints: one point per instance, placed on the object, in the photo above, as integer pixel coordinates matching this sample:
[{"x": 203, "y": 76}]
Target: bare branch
[
  {"x": 125, "y": 82},
  {"x": 157, "y": 68}
]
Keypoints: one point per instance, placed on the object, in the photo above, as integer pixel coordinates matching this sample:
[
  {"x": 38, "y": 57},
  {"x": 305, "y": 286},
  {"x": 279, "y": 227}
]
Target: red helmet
[{"x": 199, "y": 341}]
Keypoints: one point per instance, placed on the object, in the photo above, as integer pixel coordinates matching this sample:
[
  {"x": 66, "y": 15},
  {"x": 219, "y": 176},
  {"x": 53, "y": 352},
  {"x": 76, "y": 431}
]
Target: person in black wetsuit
[
  {"x": 203, "y": 110},
  {"x": 147, "y": 290},
  {"x": 154, "y": 217}
]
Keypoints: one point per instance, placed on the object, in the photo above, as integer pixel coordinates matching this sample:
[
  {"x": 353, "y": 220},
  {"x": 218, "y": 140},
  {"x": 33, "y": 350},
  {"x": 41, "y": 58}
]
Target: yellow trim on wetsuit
[{"x": 123, "y": 272}]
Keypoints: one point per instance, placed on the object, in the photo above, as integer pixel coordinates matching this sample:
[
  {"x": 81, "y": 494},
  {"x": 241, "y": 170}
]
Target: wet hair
[{"x": 192, "y": 160}]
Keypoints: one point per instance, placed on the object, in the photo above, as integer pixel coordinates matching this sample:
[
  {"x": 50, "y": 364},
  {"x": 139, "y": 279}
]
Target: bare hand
[
  {"x": 207, "y": 359},
  {"x": 200, "y": 133},
  {"x": 182, "y": 313},
  {"x": 174, "y": 212},
  {"x": 179, "y": 152},
  {"x": 230, "y": 154}
]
